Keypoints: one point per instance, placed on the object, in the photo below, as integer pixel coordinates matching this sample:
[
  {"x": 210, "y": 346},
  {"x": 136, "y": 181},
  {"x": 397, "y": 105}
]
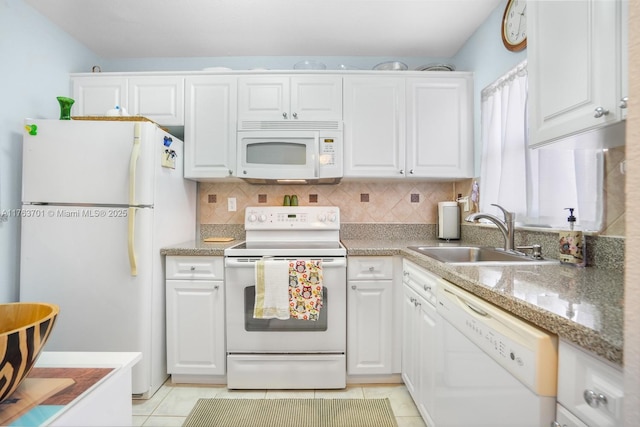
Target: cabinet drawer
[
  {"x": 370, "y": 267},
  {"x": 584, "y": 378},
  {"x": 420, "y": 280},
  {"x": 566, "y": 419},
  {"x": 195, "y": 267}
]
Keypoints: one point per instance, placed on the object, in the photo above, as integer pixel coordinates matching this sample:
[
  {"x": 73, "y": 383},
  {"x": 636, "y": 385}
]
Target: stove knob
[
  {"x": 322, "y": 217},
  {"x": 262, "y": 218},
  {"x": 252, "y": 218},
  {"x": 332, "y": 217}
]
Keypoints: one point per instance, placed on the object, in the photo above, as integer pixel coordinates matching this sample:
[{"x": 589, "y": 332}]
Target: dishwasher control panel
[{"x": 529, "y": 353}]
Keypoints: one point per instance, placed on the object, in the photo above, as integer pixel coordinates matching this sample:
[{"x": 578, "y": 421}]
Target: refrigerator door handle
[
  {"x": 133, "y": 262},
  {"x": 135, "y": 153},
  {"x": 133, "y": 162}
]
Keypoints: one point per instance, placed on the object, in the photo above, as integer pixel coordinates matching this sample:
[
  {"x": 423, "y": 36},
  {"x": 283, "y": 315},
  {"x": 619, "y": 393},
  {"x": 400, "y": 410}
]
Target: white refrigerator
[{"x": 99, "y": 200}]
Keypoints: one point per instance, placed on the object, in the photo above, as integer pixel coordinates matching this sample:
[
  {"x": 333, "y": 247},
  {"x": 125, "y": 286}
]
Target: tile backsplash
[
  {"x": 359, "y": 202},
  {"x": 383, "y": 202}
]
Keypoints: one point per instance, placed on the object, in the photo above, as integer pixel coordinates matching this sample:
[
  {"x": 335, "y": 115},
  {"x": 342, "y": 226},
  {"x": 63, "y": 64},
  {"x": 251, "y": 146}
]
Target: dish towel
[
  {"x": 272, "y": 290},
  {"x": 305, "y": 288}
]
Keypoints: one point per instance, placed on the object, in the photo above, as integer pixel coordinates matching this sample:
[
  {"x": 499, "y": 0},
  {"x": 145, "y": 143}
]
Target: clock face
[{"x": 514, "y": 25}]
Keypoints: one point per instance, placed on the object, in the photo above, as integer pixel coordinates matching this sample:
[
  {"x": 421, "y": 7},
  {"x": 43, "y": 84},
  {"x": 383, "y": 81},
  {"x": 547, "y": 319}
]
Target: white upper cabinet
[
  {"x": 210, "y": 128},
  {"x": 159, "y": 98},
  {"x": 94, "y": 95},
  {"x": 290, "y": 98},
  {"x": 440, "y": 127},
  {"x": 575, "y": 62},
  {"x": 374, "y": 126},
  {"x": 416, "y": 127}
]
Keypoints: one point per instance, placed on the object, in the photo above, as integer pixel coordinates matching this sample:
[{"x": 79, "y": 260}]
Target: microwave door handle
[{"x": 316, "y": 162}]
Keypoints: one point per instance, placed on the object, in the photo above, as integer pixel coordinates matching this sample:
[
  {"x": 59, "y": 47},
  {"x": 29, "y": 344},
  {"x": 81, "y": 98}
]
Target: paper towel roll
[{"x": 448, "y": 220}]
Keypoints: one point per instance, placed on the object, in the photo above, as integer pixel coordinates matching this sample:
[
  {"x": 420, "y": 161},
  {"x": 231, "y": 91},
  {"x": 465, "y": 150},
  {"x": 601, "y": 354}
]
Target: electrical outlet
[
  {"x": 231, "y": 204},
  {"x": 464, "y": 201}
]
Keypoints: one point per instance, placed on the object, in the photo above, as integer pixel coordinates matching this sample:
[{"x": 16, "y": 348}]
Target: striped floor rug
[{"x": 291, "y": 413}]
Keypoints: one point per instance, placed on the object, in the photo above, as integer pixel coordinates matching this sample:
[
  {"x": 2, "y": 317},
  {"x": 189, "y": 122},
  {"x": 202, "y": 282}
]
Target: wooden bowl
[{"x": 24, "y": 329}]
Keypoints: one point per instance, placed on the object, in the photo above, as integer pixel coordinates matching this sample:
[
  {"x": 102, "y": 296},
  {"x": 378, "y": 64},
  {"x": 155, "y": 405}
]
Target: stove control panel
[{"x": 292, "y": 217}]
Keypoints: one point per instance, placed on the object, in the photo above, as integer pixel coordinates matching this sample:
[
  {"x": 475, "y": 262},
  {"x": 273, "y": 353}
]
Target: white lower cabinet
[
  {"x": 419, "y": 337},
  {"x": 590, "y": 389},
  {"x": 195, "y": 318},
  {"x": 370, "y": 316}
]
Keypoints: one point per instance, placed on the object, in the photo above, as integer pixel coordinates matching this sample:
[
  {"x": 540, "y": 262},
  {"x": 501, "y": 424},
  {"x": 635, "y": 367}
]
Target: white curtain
[
  {"x": 503, "y": 173},
  {"x": 535, "y": 184}
]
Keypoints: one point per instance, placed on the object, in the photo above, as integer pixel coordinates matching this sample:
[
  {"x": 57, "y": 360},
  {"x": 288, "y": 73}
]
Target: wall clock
[{"x": 514, "y": 25}]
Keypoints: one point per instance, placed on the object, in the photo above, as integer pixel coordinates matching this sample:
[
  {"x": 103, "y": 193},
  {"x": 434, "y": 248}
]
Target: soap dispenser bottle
[{"x": 572, "y": 244}]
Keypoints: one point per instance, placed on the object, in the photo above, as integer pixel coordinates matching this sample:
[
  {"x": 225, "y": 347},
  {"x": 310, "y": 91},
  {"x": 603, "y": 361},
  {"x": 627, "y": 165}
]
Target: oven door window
[{"x": 277, "y": 325}]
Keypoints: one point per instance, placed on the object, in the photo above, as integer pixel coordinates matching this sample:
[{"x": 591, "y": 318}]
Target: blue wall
[
  {"x": 485, "y": 54},
  {"x": 37, "y": 58}
]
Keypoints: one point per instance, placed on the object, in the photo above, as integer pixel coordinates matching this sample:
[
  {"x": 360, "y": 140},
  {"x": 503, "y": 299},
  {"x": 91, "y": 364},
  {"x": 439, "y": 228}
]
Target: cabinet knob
[
  {"x": 599, "y": 112},
  {"x": 406, "y": 273},
  {"x": 401, "y": 171},
  {"x": 623, "y": 102},
  {"x": 193, "y": 268},
  {"x": 284, "y": 115},
  {"x": 295, "y": 115},
  {"x": 371, "y": 269},
  {"x": 353, "y": 287},
  {"x": 411, "y": 172},
  {"x": 555, "y": 424},
  {"x": 594, "y": 399},
  {"x": 216, "y": 287}
]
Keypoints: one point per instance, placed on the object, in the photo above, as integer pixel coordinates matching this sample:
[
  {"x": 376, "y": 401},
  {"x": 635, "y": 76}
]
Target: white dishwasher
[{"x": 492, "y": 369}]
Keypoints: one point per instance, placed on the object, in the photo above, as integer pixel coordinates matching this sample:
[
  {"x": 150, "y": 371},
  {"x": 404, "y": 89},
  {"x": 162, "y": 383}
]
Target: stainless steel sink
[{"x": 477, "y": 255}]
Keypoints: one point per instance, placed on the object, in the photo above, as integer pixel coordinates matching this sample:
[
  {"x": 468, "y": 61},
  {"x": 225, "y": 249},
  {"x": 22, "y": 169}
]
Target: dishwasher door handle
[
  {"x": 476, "y": 309},
  {"x": 463, "y": 301}
]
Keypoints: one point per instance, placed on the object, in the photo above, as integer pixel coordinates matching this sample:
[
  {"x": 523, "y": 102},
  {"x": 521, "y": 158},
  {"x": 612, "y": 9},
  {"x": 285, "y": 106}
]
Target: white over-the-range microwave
[{"x": 290, "y": 152}]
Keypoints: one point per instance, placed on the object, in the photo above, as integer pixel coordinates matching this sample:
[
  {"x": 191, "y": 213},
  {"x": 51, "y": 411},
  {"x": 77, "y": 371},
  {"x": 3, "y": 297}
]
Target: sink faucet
[{"x": 506, "y": 226}]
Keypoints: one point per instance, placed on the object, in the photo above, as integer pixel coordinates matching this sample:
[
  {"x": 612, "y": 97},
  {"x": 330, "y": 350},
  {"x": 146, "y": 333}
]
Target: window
[{"x": 538, "y": 185}]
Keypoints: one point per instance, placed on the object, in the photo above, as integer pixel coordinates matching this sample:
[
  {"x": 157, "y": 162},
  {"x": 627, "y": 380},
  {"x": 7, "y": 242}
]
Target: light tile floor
[{"x": 172, "y": 403}]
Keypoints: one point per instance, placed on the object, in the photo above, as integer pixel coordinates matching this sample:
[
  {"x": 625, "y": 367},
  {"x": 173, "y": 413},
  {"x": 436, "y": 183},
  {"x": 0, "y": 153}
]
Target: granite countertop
[
  {"x": 198, "y": 248},
  {"x": 581, "y": 305}
]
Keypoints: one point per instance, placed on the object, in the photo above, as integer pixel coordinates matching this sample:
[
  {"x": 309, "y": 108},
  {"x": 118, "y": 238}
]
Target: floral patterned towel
[{"x": 305, "y": 289}]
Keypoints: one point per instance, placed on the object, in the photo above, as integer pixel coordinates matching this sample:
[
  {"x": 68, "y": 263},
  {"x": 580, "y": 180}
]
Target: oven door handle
[{"x": 247, "y": 262}]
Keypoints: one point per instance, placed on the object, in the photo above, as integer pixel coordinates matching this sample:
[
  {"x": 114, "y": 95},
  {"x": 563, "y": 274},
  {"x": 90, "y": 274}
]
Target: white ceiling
[{"x": 209, "y": 28}]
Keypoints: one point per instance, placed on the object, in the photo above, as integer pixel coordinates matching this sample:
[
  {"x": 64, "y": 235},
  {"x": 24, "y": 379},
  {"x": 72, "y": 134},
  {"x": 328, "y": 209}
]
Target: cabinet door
[
  {"x": 159, "y": 98},
  {"x": 263, "y": 98},
  {"x": 195, "y": 327},
  {"x": 94, "y": 96},
  {"x": 439, "y": 127},
  {"x": 410, "y": 342},
  {"x": 210, "y": 128},
  {"x": 374, "y": 130},
  {"x": 369, "y": 323},
  {"x": 574, "y": 56},
  {"x": 426, "y": 359},
  {"x": 316, "y": 98}
]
